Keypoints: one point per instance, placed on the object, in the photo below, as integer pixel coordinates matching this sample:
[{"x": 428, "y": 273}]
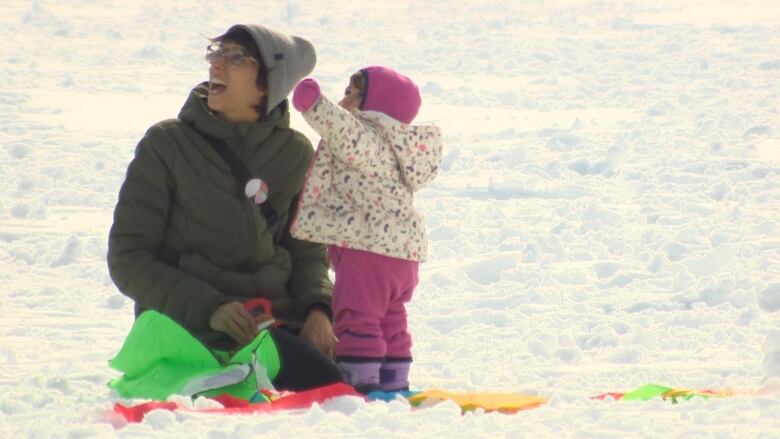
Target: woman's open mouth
[{"x": 216, "y": 86}]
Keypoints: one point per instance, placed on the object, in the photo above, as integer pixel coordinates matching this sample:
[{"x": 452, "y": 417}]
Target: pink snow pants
[{"x": 369, "y": 298}]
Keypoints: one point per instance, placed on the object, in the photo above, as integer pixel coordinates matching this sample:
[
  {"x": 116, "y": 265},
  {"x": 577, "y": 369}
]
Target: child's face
[{"x": 353, "y": 94}]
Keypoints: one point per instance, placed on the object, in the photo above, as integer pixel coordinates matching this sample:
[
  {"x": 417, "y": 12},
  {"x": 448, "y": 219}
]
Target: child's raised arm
[{"x": 338, "y": 127}]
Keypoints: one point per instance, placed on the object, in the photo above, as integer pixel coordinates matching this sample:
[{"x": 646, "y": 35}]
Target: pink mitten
[{"x": 306, "y": 94}]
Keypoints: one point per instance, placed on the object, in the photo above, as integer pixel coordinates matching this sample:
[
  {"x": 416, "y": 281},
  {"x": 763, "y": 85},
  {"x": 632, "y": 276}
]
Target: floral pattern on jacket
[{"x": 359, "y": 192}]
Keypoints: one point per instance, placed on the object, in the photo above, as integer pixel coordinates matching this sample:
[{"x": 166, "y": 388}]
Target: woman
[{"x": 189, "y": 244}]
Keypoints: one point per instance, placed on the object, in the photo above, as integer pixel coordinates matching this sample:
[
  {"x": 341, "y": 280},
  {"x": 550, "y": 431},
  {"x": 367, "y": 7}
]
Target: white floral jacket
[{"x": 359, "y": 191}]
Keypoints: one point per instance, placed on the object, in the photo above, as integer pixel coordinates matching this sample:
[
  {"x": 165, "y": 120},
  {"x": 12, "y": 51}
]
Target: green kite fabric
[{"x": 160, "y": 358}]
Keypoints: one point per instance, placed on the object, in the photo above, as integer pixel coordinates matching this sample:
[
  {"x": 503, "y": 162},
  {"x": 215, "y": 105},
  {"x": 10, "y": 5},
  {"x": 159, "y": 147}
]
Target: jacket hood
[
  {"x": 418, "y": 148},
  {"x": 391, "y": 93},
  {"x": 196, "y": 111}
]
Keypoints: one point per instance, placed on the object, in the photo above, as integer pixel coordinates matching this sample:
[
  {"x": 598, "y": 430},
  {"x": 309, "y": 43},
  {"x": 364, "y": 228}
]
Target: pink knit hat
[{"x": 391, "y": 93}]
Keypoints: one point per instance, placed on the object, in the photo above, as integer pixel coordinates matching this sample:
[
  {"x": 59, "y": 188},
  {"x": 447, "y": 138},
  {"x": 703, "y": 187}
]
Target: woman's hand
[
  {"x": 234, "y": 320},
  {"x": 318, "y": 332}
]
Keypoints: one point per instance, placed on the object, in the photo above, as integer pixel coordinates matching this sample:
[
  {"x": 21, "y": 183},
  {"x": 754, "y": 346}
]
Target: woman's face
[{"x": 233, "y": 91}]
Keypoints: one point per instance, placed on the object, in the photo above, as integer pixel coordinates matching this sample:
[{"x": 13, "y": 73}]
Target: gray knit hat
[{"x": 287, "y": 59}]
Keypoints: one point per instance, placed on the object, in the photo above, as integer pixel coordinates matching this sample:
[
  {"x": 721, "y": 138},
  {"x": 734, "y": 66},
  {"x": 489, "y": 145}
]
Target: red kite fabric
[{"x": 233, "y": 405}]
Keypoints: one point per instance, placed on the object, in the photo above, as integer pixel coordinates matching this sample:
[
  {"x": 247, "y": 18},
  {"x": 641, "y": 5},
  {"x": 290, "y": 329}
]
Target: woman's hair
[{"x": 244, "y": 39}]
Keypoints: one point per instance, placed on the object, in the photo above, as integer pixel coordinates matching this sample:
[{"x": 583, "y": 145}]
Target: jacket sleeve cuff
[
  {"x": 318, "y": 306},
  {"x": 211, "y": 309}
]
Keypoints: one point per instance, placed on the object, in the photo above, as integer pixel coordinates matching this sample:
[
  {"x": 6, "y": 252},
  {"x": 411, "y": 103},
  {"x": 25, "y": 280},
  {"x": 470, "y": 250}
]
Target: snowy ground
[{"x": 608, "y": 214}]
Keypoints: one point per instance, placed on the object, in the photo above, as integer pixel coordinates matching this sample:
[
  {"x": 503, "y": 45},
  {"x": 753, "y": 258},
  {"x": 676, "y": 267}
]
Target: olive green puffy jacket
[{"x": 185, "y": 239}]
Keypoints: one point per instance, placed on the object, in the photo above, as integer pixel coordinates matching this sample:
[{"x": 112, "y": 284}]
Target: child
[{"x": 358, "y": 198}]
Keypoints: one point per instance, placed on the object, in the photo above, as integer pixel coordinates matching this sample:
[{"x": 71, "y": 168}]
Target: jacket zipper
[{"x": 250, "y": 211}]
